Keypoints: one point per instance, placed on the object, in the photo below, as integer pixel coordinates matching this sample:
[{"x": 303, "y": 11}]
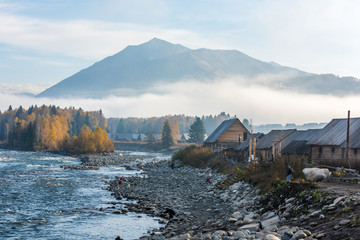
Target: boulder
[{"x": 316, "y": 174}]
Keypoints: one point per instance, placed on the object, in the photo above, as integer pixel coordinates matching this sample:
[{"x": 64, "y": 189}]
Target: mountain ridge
[{"x": 138, "y": 67}]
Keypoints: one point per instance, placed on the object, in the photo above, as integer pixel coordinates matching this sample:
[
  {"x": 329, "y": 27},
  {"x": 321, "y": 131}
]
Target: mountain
[{"x": 137, "y": 68}]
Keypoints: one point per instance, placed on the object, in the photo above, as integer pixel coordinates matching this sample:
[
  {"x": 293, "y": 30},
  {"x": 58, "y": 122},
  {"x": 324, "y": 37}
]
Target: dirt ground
[{"x": 341, "y": 189}]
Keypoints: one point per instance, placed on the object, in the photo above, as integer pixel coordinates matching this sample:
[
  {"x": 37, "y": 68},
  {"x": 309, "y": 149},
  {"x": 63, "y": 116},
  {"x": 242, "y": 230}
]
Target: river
[{"x": 41, "y": 200}]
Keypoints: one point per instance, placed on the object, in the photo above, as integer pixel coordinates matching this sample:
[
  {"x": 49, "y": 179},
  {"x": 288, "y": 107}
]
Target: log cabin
[{"x": 228, "y": 134}]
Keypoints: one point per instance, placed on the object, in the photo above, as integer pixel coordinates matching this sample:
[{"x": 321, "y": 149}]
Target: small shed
[{"x": 228, "y": 134}]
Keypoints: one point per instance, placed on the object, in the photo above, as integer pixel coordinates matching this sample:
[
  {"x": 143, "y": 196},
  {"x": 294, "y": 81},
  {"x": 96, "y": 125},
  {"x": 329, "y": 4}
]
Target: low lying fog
[{"x": 262, "y": 104}]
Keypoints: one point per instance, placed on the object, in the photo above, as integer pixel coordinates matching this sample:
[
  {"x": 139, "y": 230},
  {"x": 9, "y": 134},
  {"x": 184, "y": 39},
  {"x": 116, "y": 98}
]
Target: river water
[{"x": 41, "y": 200}]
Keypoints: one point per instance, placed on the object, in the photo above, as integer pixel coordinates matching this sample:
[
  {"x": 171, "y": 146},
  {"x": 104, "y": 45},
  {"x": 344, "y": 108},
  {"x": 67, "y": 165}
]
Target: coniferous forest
[{"x": 50, "y": 128}]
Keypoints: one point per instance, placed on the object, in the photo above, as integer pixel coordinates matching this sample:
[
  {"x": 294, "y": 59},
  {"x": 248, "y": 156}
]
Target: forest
[{"x": 50, "y": 128}]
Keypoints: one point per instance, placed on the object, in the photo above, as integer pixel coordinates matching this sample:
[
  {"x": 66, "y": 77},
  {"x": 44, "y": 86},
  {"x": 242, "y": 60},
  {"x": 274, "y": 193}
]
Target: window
[
  {"x": 355, "y": 151},
  {"x": 320, "y": 151},
  {"x": 333, "y": 150}
]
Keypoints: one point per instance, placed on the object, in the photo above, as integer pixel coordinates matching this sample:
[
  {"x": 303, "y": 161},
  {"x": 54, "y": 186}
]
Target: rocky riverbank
[
  {"x": 129, "y": 160},
  {"x": 198, "y": 210},
  {"x": 191, "y": 208}
]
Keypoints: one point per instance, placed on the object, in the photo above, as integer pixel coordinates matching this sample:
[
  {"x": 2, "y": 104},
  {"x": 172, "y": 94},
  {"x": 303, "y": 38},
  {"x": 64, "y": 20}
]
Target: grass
[{"x": 200, "y": 157}]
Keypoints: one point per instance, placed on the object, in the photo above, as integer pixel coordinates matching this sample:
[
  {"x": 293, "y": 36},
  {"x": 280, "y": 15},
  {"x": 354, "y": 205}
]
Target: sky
[{"x": 44, "y": 41}]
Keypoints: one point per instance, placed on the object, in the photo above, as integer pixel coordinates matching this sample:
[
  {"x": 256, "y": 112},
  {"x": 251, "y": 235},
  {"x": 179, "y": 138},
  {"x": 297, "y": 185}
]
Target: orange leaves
[{"x": 92, "y": 142}]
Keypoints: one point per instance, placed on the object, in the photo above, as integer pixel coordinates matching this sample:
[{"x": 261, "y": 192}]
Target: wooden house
[
  {"x": 298, "y": 145},
  {"x": 246, "y": 151},
  {"x": 270, "y": 146},
  {"x": 228, "y": 134},
  {"x": 328, "y": 146}
]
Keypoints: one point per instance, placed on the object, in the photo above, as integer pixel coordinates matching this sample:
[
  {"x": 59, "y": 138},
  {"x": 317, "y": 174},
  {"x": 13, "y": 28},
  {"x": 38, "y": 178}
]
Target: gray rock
[
  {"x": 251, "y": 227},
  {"x": 184, "y": 236},
  {"x": 239, "y": 234},
  {"x": 289, "y": 200},
  {"x": 269, "y": 215},
  {"x": 269, "y": 229},
  {"x": 206, "y": 237},
  {"x": 344, "y": 222},
  {"x": 249, "y": 216},
  {"x": 337, "y": 200},
  {"x": 315, "y": 213},
  {"x": 336, "y": 227},
  {"x": 271, "y": 221},
  {"x": 232, "y": 220},
  {"x": 220, "y": 233},
  {"x": 271, "y": 237},
  {"x": 298, "y": 235},
  {"x": 237, "y": 215},
  {"x": 286, "y": 236}
]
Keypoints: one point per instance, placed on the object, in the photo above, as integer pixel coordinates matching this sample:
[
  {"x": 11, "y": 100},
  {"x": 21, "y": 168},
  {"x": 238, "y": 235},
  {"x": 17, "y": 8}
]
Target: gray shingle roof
[
  {"x": 334, "y": 133},
  {"x": 245, "y": 144},
  {"x": 216, "y": 134},
  {"x": 266, "y": 142},
  {"x": 299, "y": 147},
  {"x": 299, "y": 140}
]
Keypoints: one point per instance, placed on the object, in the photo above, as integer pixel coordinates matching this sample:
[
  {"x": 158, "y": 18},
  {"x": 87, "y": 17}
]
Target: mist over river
[{"x": 41, "y": 200}]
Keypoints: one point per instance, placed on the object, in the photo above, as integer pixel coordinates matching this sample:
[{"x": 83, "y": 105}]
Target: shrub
[{"x": 195, "y": 156}]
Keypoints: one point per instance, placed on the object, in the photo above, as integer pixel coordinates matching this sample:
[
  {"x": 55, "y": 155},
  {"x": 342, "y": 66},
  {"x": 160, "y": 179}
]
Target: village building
[
  {"x": 228, "y": 134},
  {"x": 269, "y": 146},
  {"x": 329, "y": 146},
  {"x": 298, "y": 145},
  {"x": 246, "y": 151}
]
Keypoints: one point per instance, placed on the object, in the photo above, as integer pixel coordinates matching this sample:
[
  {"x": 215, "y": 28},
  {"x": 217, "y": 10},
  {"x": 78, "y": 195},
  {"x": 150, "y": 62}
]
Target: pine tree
[
  {"x": 197, "y": 131},
  {"x": 166, "y": 136},
  {"x": 120, "y": 127}
]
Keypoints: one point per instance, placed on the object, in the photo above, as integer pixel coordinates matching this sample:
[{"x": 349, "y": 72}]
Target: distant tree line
[
  {"x": 51, "y": 128},
  {"x": 154, "y": 125},
  {"x": 170, "y": 132}
]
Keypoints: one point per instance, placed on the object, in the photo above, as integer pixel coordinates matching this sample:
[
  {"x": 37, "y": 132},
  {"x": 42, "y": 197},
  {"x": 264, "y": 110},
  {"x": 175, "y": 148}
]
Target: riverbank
[{"x": 198, "y": 210}]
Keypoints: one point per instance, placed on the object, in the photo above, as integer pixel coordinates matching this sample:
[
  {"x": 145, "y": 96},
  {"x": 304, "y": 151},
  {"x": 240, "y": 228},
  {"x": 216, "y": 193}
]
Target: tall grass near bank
[
  {"x": 266, "y": 175},
  {"x": 200, "y": 157}
]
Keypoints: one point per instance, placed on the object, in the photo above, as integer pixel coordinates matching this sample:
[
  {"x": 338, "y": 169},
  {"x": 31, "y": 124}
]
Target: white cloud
[
  {"x": 194, "y": 98},
  {"x": 9, "y": 89},
  {"x": 88, "y": 39}
]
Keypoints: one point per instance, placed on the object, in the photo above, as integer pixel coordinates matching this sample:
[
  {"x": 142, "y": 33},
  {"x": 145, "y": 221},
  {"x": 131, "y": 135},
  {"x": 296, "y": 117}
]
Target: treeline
[
  {"x": 51, "y": 128},
  {"x": 154, "y": 124}
]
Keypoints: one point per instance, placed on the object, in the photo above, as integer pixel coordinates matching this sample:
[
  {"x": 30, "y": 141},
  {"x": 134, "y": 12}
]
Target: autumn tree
[
  {"x": 166, "y": 135},
  {"x": 51, "y": 128},
  {"x": 197, "y": 131},
  {"x": 175, "y": 131}
]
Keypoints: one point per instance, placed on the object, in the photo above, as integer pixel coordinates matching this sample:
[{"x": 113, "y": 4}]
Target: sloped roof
[
  {"x": 334, "y": 133},
  {"x": 216, "y": 134},
  {"x": 298, "y": 143},
  {"x": 245, "y": 144},
  {"x": 266, "y": 142},
  {"x": 299, "y": 147}
]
